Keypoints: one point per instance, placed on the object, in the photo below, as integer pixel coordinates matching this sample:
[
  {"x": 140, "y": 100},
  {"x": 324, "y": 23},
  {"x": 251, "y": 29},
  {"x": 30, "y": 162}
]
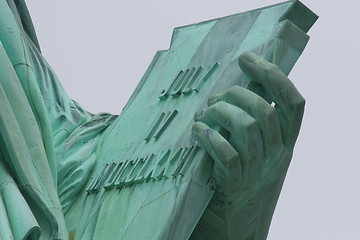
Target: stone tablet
[{"x": 156, "y": 182}]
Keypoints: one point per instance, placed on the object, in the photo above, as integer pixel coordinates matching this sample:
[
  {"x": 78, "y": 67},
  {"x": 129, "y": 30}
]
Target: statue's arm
[{"x": 251, "y": 161}]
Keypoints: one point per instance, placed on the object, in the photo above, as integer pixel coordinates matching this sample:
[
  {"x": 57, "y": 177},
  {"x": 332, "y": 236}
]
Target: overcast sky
[{"x": 100, "y": 49}]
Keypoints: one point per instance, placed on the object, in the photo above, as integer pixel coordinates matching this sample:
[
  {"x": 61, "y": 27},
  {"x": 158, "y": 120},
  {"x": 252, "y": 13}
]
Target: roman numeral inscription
[
  {"x": 168, "y": 164},
  {"x": 160, "y": 124},
  {"x": 187, "y": 81}
]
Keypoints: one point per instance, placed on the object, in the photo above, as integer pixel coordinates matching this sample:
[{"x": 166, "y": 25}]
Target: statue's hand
[{"x": 252, "y": 156}]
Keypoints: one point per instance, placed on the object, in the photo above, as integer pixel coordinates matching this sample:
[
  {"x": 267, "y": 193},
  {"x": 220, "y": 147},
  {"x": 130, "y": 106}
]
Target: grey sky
[{"x": 100, "y": 49}]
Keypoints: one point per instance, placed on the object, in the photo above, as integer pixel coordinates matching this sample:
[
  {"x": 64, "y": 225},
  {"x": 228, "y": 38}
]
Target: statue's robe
[{"x": 44, "y": 135}]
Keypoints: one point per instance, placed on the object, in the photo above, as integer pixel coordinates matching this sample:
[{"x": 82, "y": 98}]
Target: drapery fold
[
  {"x": 48, "y": 142},
  {"x": 16, "y": 218}
]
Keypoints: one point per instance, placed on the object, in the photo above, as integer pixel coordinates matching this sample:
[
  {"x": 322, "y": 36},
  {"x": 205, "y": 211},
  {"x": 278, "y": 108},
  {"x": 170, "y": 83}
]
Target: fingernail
[
  {"x": 213, "y": 99},
  {"x": 248, "y": 56},
  {"x": 198, "y": 115},
  {"x": 197, "y": 128}
]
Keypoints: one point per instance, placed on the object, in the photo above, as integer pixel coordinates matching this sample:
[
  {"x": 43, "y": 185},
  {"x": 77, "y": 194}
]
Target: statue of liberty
[{"x": 49, "y": 145}]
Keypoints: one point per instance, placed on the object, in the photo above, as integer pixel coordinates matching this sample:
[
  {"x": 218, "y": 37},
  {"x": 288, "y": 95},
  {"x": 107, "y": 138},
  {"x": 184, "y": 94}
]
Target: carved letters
[
  {"x": 160, "y": 124},
  {"x": 168, "y": 164},
  {"x": 187, "y": 81}
]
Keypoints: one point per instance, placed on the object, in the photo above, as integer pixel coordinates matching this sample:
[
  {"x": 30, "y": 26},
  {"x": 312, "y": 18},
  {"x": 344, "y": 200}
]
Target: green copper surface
[
  {"x": 149, "y": 161},
  {"x": 143, "y": 174}
]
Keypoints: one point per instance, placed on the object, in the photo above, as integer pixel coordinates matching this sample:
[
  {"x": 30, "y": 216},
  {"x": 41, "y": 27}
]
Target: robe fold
[{"x": 47, "y": 141}]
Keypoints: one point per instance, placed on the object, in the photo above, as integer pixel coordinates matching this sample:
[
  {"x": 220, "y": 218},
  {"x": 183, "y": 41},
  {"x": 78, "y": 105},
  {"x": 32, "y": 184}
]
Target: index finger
[{"x": 288, "y": 100}]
